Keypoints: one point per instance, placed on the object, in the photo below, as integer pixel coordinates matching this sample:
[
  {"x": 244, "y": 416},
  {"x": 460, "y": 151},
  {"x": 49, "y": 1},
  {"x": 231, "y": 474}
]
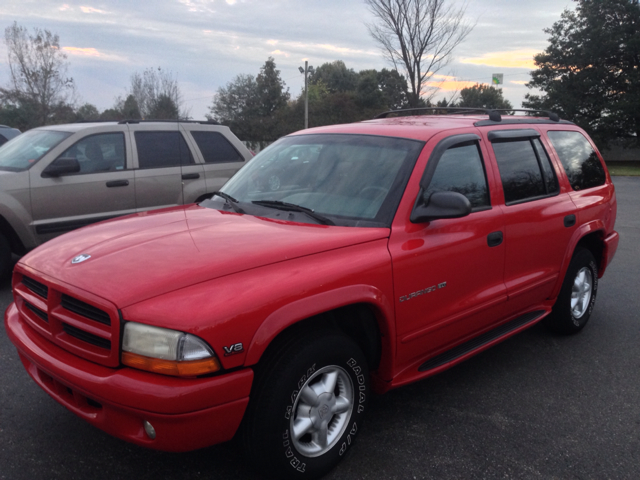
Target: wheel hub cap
[
  {"x": 322, "y": 410},
  {"x": 581, "y": 292}
]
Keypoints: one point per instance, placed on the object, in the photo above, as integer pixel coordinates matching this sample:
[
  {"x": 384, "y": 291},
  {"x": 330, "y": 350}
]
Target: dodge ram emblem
[{"x": 81, "y": 258}]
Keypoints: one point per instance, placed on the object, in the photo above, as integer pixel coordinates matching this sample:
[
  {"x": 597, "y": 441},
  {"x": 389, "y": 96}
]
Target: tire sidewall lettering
[{"x": 299, "y": 462}]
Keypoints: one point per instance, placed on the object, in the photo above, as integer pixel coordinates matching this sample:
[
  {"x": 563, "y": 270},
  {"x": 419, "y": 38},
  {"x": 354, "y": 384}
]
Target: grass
[{"x": 624, "y": 168}]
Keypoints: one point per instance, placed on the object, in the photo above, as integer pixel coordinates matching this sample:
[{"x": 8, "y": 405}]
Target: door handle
[
  {"x": 117, "y": 183},
  {"x": 569, "y": 221},
  {"x": 494, "y": 239},
  {"x": 190, "y": 176}
]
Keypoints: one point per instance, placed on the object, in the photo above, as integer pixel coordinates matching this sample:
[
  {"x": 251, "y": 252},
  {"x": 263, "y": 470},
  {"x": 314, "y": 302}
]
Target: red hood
[{"x": 151, "y": 253}]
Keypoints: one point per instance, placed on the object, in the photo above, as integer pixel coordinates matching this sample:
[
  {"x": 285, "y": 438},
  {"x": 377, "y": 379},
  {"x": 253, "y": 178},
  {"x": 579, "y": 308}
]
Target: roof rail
[
  {"x": 554, "y": 117},
  {"x": 138, "y": 120},
  {"x": 493, "y": 114}
]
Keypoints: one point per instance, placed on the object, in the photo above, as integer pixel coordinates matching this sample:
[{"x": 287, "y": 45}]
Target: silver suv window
[
  {"x": 104, "y": 152},
  {"x": 25, "y": 150}
]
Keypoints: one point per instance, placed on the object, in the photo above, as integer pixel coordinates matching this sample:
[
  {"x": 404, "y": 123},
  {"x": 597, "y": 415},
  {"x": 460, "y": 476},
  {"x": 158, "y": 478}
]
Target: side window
[
  {"x": 578, "y": 158},
  {"x": 216, "y": 148},
  {"x": 162, "y": 149},
  {"x": 525, "y": 170},
  {"x": 104, "y": 152},
  {"x": 550, "y": 179},
  {"x": 460, "y": 169}
]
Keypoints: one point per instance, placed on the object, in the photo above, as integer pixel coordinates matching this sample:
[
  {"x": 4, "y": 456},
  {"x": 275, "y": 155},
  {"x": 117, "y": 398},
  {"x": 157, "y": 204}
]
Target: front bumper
[{"x": 186, "y": 413}]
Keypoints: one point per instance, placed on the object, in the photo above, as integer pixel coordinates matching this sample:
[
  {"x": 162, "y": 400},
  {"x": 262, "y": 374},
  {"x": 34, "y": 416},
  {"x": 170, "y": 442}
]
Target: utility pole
[{"x": 307, "y": 69}]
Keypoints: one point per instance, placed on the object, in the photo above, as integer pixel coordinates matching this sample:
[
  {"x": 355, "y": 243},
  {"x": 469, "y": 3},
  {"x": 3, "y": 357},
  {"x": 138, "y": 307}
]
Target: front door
[
  {"x": 448, "y": 273},
  {"x": 103, "y": 188}
]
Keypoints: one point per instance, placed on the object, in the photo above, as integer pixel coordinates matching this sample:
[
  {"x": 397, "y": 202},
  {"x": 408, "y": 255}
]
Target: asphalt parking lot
[{"x": 535, "y": 406}]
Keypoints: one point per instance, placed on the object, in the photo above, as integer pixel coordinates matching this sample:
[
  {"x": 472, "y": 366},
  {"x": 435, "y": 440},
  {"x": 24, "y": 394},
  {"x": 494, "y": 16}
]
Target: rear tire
[
  {"x": 577, "y": 297},
  {"x": 307, "y": 406}
]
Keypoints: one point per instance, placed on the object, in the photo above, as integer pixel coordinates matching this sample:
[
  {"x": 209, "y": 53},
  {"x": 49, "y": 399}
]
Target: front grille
[
  {"x": 84, "y": 309},
  {"x": 75, "y": 320},
  {"x": 86, "y": 336},
  {"x": 36, "y": 287},
  {"x": 37, "y": 311}
]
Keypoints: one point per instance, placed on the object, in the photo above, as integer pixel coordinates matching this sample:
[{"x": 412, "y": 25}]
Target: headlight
[{"x": 170, "y": 352}]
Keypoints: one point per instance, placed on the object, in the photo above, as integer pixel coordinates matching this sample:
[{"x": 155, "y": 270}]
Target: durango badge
[{"x": 81, "y": 258}]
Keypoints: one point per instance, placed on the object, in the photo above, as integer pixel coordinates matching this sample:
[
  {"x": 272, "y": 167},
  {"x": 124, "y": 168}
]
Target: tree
[
  {"x": 483, "y": 96},
  {"x": 418, "y": 36},
  {"x": 87, "y": 113},
  {"x": 254, "y": 107},
  {"x": 38, "y": 81},
  {"x": 589, "y": 72},
  {"x": 335, "y": 76},
  {"x": 155, "y": 91},
  {"x": 130, "y": 108}
]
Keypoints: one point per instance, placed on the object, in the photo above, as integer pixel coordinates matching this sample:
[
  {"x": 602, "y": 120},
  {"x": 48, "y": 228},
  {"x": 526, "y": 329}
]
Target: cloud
[
  {"x": 199, "y": 6},
  {"x": 449, "y": 85},
  {"x": 92, "y": 52},
  {"x": 92, "y": 10},
  {"x": 64, "y": 7},
  {"x": 279, "y": 52},
  {"x": 519, "y": 82},
  {"x": 508, "y": 59}
]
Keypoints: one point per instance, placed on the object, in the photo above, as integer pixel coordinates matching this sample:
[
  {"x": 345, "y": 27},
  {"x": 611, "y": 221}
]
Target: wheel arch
[
  {"x": 360, "y": 312},
  {"x": 12, "y": 237},
  {"x": 591, "y": 237}
]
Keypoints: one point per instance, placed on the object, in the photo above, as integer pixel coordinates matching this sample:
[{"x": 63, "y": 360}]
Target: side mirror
[
  {"x": 61, "y": 166},
  {"x": 441, "y": 205}
]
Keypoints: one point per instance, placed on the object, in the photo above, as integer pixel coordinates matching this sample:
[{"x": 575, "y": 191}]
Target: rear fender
[{"x": 596, "y": 226}]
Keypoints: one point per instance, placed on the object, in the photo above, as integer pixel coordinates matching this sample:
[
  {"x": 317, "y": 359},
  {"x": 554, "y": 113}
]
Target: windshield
[
  {"x": 354, "y": 180},
  {"x": 23, "y": 151}
]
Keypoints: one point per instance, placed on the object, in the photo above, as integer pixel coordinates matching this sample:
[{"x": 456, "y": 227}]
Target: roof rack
[
  {"x": 494, "y": 113},
  {"x": 138, "y": 120}
]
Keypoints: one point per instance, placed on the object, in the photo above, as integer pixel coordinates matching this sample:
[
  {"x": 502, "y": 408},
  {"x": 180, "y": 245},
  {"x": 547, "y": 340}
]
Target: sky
[{"x": 205, "y": 44}]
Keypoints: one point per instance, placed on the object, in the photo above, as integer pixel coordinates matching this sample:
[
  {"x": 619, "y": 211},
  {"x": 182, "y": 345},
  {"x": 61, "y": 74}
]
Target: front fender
[{"x": 323, "y": 302}]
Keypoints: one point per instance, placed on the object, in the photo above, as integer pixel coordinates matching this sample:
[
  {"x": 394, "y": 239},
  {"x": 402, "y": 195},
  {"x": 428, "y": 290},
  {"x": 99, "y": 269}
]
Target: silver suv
[{"x": 57, "y": 178}]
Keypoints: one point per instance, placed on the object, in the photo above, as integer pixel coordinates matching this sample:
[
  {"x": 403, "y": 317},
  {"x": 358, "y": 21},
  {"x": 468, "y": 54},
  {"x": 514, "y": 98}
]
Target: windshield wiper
[
  {"x": 229, "y": 200},
  {"x": 291, "y": 207}
]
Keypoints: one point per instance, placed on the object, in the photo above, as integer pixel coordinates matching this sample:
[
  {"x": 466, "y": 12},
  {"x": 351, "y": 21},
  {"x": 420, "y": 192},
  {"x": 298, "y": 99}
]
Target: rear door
[
  {"x": 165, "y": 165},
  {"x": 539, "y": 217}
]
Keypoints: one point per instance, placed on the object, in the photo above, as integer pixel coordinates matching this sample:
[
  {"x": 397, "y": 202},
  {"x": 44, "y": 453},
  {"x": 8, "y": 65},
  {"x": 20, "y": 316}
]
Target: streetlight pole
[{"x": 307, "y": 69}]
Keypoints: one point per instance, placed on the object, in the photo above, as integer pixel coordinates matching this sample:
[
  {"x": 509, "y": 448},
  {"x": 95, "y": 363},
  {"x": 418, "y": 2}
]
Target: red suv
[{"x": 340, "y": 260}]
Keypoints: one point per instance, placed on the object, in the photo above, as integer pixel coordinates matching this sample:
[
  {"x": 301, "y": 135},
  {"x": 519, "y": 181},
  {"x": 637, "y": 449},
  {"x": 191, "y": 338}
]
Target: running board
[{"x": 480, "y": 341}]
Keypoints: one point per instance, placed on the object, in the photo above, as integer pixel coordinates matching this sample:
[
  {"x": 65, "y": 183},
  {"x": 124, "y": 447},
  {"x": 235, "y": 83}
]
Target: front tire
[
  {"x": 307, "y": 406},
  {"x": 5, "y": 257},
  {"x": 577, "y": 297}
]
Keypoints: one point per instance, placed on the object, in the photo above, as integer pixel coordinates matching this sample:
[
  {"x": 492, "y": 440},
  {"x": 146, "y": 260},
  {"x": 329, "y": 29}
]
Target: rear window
[
  {"x": 579, "y": 159},
  {"x": 525, "y": 170},
  {"x": 162, "y": 149},
  {"x": 215, "y": 148}
]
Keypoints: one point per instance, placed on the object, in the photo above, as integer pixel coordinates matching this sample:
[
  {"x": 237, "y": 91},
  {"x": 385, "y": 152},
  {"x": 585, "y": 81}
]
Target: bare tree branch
[
  {"x": 37, "y": 72},
  {"x": 419, "y": 36}
]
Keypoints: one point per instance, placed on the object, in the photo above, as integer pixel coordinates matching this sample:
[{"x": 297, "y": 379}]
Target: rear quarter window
[
  {"x": 579, "y": 159},
  {"x": 216, "y": 148}
]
